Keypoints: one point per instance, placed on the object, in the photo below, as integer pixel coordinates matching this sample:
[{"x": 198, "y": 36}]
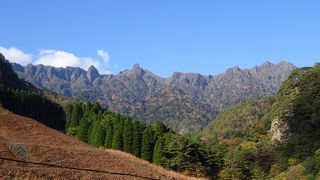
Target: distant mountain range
[{"x": 184, "y": 101}]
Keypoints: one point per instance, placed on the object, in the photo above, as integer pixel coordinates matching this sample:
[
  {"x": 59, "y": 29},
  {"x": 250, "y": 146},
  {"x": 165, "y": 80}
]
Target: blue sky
[{"x": 205, "y": 36}]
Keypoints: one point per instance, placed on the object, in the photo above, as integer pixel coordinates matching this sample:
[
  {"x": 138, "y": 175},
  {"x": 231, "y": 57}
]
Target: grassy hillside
[
  {"x": 275, "y": 137},
  {"x": 27, "y": 140}
]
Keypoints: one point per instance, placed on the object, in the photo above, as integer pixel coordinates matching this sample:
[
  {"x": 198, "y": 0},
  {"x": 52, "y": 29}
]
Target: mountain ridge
[{"x": 184, "y": 101}]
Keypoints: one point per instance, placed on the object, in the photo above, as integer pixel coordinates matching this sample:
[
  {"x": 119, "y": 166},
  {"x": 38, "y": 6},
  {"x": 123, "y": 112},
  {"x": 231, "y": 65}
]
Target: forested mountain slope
[
  {"x": 274, "y": 137},
  {"x": 184, "y": 101},
  {"x": 241, "y": 120}
]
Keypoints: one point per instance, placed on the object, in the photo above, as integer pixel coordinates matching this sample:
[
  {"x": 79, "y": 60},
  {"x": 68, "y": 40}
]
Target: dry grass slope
[{"x": 54, "y": 155}]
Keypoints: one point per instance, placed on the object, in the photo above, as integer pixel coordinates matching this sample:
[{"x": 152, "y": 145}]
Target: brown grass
[
  {"x": 153, "y": 166},
  {"x": 25, "y": 139}
]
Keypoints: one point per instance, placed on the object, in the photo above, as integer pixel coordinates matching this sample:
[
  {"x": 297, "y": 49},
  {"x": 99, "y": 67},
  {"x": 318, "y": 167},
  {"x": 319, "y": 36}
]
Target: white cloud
[
  {"x": 106, "y": 58},
  {"x": 15, "y": 55},
  {"x": 57, "y": 58},
  {"x": 104, "y": 55},
  {"x": 60, "y": 58}
]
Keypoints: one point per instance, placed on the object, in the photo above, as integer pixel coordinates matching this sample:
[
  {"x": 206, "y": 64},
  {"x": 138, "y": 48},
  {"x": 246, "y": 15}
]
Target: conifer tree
[
  {"x": 99, "y": 135},
  {"x": 117, "y": 141},
  {"x": 83, "y": 129},
  {"x": 109, "y": 135},
  {"x": 136, "y": 138},
  {"x": 179, "y": 154},
  {"x": 127, "y": 136},
  {"x": 76, "y": 115},
  {"x": 158, "y": 152},
  {"x": 96, "y": 107},
  {"x": 159, "y": 129},
  {"x": 235, "y": 166},
  {"x": 92, "y": 132},
  {"x": 146, "y": 145}
]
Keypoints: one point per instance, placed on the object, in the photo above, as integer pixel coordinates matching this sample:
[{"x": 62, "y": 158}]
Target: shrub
[
  {"x": 72, "y": 131},
  {"x": 293, "y": 161},
  {"x": 295, "y": 172}
]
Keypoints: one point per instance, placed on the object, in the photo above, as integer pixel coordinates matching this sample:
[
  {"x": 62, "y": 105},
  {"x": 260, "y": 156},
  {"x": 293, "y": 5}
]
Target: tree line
[
  {"x": 155, "y": 143},
  {"x": 30, "y": 104}
]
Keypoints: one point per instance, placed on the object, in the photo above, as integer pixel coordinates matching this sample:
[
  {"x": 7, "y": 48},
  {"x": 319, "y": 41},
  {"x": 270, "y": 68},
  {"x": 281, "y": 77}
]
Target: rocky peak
[
  {"x": 176, "y": 75},
  {"x": 285, "y": 64},
  {"x": 92, "y": 73},
  {"x": 267, "y": 63},
  {"x": 233, "y": 70},
  {"x": 266, "y": 66},
  {"x": 136, "y": 69}
]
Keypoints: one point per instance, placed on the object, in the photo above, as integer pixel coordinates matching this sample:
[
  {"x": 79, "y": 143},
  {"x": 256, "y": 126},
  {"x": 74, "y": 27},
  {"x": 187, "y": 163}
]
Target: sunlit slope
[{"x": 31, "y": 150}]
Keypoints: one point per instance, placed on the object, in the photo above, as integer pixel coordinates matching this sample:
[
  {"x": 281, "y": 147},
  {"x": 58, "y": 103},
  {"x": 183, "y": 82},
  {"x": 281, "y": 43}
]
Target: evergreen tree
[
  {"x": 146, "y": 145},
  {"x": 109, "y": 135},
  {"x": 96, "y": 107},
  {"x": 179, "y": 154},
  {"x": 76, "y": 115},
  {"x": 117, "y": 141},
  {"x": 99, "y": 135},
  {"x": 136, "y": 138},
  {"x": 83, "y": 129},
  {"x": 158, "y": 152},
  {"x": 127, "y": 136},
  {"x": 159, "y": 129},
  {"x": 235, "y": 166},
  {"x": 212, "y": 155},
  {"x": 92, "y": 132}
]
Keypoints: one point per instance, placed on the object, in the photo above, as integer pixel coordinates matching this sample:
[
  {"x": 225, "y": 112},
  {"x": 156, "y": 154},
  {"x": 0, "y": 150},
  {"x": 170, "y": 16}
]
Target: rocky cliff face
[
  {"x": 185, "y": 101},
  {"x": 280, "y": 131}
]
